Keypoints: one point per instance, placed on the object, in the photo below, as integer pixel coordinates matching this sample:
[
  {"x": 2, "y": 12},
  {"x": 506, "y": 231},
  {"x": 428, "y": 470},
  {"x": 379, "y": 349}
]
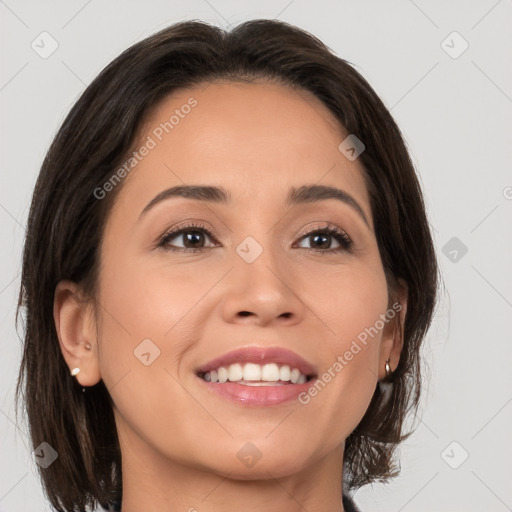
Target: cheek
[
  {"x": 138, "y": 313},
  {"x": 144, "y": 334},
  {"x": 363, "y": 301},
  {"x": 141, "y": 301},
  {"x": 355, "y": 299},
  {"x": 149, "y": 319},
  {"x": 348, "y": 300}
]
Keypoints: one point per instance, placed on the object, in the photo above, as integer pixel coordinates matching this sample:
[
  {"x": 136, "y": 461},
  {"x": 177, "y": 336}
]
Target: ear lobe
[
  {"x": 74, "y": 324},
  {"x": 393, "y": 334}
]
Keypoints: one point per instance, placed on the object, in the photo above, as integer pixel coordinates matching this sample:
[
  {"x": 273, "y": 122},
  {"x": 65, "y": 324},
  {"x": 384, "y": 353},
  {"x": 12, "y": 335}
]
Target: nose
[{"x": 262, "y": 292}]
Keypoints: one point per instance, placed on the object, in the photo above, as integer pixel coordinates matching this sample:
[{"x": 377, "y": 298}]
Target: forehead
[{"x": 255, "y": 139}]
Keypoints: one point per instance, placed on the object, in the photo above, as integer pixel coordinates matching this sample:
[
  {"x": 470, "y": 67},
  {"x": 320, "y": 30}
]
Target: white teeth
[
  {"x": 235, "y": 372},
  {"x": 294, "y": 376},
  {"x": 223, "y": 374},
  {"x": 284, "y": 372},
  {"x": 252, "y": 374},
  {"x": 270, "y": 372},
  {"x": 252, "y": 371}
]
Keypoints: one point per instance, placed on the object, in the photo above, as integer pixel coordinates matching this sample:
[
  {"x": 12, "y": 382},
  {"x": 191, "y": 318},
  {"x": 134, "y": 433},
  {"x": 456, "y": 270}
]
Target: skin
[{"x": 180, "y": 442}]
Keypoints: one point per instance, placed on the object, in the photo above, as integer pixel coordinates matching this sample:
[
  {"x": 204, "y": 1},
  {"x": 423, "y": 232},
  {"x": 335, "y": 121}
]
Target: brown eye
[
  {"x": 192, "y": 238},
  {"x": 188, "y": 238},
  {"x": 322, "y": 240}
]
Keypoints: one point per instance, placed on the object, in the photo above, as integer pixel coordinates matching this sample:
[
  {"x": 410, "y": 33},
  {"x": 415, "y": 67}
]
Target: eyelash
[{"x": 341, "y": 236}]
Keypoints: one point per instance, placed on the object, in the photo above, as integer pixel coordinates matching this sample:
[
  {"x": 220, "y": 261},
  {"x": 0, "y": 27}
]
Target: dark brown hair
[{"x": 66, "y": 220}]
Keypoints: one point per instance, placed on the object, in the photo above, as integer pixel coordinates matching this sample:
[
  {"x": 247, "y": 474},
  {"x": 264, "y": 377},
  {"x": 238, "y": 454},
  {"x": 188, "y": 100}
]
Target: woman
[{"x": 227, "y": 277}]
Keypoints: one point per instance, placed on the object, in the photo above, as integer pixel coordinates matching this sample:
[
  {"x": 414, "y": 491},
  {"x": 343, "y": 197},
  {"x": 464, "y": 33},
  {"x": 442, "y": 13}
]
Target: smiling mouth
[{"x": 253, "y": 374}]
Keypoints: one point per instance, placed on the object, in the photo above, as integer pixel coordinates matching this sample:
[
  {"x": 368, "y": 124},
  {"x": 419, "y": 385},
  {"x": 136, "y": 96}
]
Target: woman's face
[{"x": 256, "y": 271}]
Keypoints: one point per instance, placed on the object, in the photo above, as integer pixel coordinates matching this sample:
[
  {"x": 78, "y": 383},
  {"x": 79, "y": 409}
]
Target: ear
[
  {"x": 393, "y": 333},
  {"x": 75, "y": 323}
]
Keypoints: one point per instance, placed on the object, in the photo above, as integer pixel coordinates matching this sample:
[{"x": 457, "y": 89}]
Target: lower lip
[{"x": 257, "y": 395}]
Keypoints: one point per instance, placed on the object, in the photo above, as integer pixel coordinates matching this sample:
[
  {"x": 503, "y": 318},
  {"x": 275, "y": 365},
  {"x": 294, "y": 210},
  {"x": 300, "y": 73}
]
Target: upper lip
[{"x": 260, "y": 355}]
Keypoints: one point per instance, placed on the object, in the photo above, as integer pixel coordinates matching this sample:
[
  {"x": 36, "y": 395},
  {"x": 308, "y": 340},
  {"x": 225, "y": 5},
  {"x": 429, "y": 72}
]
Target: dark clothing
[{"x": 349, "y": 505}]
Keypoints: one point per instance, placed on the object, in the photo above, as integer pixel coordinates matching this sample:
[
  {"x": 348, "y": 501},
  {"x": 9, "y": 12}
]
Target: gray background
[{"x": 455, "y": 112}]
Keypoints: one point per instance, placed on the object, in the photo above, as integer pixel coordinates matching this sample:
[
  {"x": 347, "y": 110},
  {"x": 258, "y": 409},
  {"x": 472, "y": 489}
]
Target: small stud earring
[
  {"x": 75, "y": 371},
  {"x": 388, "y": 368}
]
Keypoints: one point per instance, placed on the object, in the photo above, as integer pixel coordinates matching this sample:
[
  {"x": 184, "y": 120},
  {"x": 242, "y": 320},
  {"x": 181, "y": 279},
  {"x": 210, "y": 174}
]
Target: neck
[{"x": 154, "y": 483}]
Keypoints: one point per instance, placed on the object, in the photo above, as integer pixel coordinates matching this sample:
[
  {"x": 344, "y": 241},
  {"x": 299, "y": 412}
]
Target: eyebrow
[{"x": 296, "y": 196}]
